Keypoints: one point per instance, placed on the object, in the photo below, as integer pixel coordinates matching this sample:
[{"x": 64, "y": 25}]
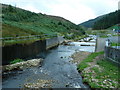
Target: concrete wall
[
  {"x": 53, "y": 42},
  {"x": 112, "y": 54},
  {"x": 100, "y": 44},
  {"x": 115, "y": 39},
  {"x": 24, "y": 51},
  {"x": 60, "y": 39}
]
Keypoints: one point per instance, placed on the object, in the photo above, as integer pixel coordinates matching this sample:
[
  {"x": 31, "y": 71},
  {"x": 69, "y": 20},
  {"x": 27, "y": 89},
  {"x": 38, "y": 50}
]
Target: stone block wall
[{"x": 112, "y": 54}]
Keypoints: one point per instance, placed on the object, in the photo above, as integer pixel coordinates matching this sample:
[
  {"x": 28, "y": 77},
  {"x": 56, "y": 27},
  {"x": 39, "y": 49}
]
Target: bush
[
  {"x": 59, "y": 23},
  {"x": 16, "y": 61}
]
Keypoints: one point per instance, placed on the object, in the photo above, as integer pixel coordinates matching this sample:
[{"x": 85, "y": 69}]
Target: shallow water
[{"x": 56, "y": 67}]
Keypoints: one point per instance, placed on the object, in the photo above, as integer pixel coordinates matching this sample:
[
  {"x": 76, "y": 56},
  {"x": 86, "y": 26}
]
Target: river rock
[
  {"x": 39, "y": 84},
  {"x": 22, "y": 65},
  {"x": 67, "y": 85},
  {"x": 61, "y": 57}
]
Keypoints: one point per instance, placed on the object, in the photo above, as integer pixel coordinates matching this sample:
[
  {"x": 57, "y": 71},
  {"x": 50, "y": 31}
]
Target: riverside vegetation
[
  {"x": 104, "y": 21},
  {"x": 16, "y": 61},
  {"x": 18, "y": 22},
  {"x": 98, "y": 72}
]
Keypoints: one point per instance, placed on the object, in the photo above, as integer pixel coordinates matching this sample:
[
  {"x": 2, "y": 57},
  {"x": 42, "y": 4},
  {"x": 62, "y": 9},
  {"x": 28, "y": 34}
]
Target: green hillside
[
  {"x": 19, "y": 22},
  {"x": 90, "y": 23},
  {"x": 108, "y": 20},
  {"x": 117, "y": 27},
  {"x": 104, "y": 21}
]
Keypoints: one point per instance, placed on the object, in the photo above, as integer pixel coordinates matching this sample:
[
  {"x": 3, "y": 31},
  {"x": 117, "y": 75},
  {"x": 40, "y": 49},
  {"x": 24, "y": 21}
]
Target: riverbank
[
  {"x": 31, "y": 50},
  {"x": 79, "y": 56},
  {"x": 22, "y": 65},
  {"x": 96, "y": 71},
  {"x": 56, "y": 71}
]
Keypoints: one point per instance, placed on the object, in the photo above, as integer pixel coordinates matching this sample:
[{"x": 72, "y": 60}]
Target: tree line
[{"x": 108, "y": 20}]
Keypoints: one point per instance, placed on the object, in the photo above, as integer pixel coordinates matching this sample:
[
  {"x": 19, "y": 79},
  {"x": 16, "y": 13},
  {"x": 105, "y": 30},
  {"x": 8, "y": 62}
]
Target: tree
[
  {"x": 108, "y": 20},
  {"x": 10, "y": 8},
  {"x": 59, "y": 23}
]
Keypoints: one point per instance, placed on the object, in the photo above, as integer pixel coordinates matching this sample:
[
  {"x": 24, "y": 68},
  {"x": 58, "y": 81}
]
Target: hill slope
[
  {"x": 108, "y": 20},
  {"x": 104, "y": 21},
  {"x": 90, "y": 23},
  {"x": 29, "y": 23}
]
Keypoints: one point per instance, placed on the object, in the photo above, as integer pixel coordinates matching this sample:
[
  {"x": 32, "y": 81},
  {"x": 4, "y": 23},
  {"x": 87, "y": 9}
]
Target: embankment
[
  {"x": 97, "y": 72},
  {"x": 112, "y": 54},
  {"x": 25, "y": 51},
  {"x": 52, "y": 42},
  {"x": 22, "y": 65}
]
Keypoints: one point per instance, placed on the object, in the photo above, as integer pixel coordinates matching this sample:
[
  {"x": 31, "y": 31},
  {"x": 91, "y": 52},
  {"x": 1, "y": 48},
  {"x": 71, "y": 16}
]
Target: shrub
[
  {"x": 59, "y": 23},
  {"x": 16, "y": 61}
]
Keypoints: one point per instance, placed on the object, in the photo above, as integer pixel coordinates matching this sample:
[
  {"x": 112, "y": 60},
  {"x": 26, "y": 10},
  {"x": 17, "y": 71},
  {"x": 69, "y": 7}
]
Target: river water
[{"x": 56, "y": 67}]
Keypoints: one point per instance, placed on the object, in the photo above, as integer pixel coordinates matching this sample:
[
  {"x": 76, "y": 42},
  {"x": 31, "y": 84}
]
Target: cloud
[
  {"x": 72, "y": 10},
  {"x": 31, "y": 8},
  {"x": 72, "y": 13},
  {"x": 76, "y": 11},
  {"x": 101, "y": 7}
]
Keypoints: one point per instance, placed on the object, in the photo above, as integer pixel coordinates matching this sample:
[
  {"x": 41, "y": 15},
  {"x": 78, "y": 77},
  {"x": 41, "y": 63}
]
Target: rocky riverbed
[
  {"x": 56, "y": 71},
  {"x": 79, "y": 56},
  {"x": 97, "y": 76},
  {"x": 22, "y": 65}
]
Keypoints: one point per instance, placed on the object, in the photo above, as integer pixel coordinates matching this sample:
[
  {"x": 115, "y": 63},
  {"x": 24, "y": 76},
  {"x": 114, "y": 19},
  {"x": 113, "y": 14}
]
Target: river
[{"x": 56, "y": 67}]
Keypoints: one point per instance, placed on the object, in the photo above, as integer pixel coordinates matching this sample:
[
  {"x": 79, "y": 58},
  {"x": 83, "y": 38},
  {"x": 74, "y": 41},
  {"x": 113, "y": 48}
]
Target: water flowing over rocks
[{"x": 56, "y": 71}]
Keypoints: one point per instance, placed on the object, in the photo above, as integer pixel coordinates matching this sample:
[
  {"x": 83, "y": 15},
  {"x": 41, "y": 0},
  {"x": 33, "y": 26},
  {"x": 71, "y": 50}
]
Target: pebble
[
  {"x": 67, "y": 85},
  {"x": 61, "y": 57}
]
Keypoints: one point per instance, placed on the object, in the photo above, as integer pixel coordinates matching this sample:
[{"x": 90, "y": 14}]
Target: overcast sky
[{"x": 77, "y": 11}]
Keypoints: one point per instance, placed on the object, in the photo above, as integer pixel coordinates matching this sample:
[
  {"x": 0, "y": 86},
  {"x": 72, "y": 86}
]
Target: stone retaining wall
[
  {"x": 100, "y": 44},
  {"x": 26, "y": 51},
  {"x": 22, "y": 51},
  {"x": 22, "y": 65},
  {"x": 53, "y": 42},
  {"x": 112, "y": 54}
]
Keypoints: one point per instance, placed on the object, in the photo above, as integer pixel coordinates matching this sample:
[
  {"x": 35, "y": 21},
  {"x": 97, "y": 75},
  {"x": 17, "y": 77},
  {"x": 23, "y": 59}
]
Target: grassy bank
[
  {"x": 90, "y": 58},
  {"x": 115, "y": 44},
  {"x": 98, "y": 72},
  {"x": 18, "y": 22},
  {"x": 13, "y": 42},
  {"x": 16, "y": 61}
]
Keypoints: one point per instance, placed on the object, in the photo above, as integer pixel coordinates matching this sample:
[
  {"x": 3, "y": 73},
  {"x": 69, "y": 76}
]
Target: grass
[
  {"x": 12, "y": 31},
  {"x": 103, "y": 75},
  {"x": 13, "y": 42},
  {"x": 101, "y": 33},
  {"x": 115, "y": 27},
  {"x": 104, "y": 36},
  {"x": 90, "y": 58},
  {"x": 16, "y": 61},
  {"x": 24, "y": 40},
  {"x": 96, "y": 32},
  {"x": 109, "y": 73},
  {"x": 115, "y": 44},
  {"x": 18, "y": 21}
]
